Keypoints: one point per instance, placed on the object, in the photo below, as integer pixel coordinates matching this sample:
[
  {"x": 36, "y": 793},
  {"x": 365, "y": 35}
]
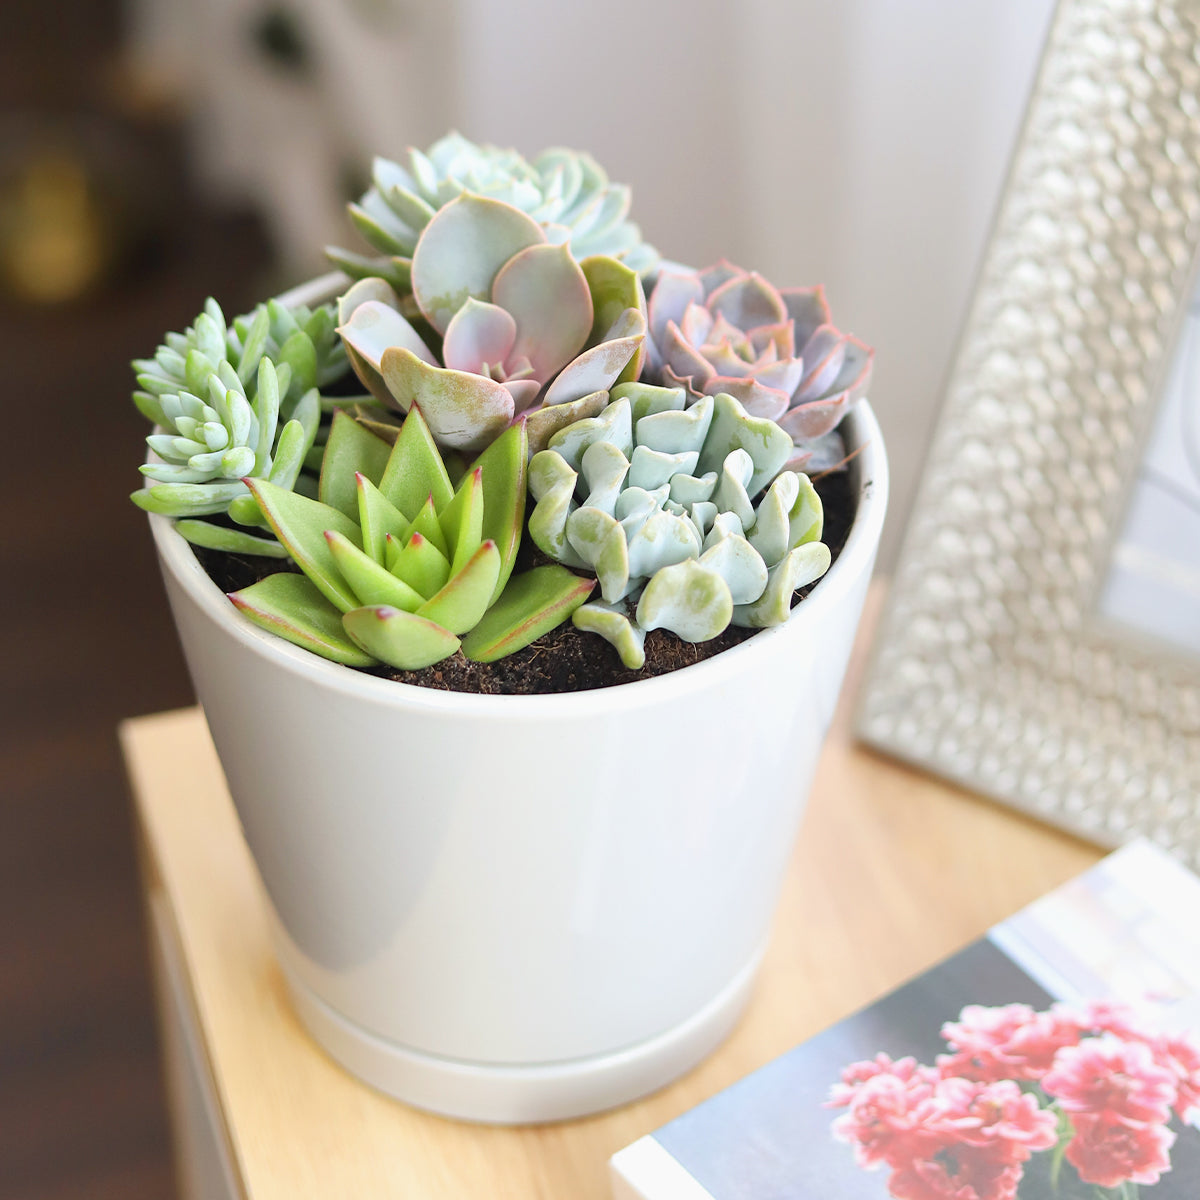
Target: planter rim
[{"x": 178, "y": 558}]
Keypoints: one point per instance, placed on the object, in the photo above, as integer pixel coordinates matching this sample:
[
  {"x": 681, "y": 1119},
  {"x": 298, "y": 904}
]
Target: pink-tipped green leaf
[
  {"x": 378, "y": 518},
  {"x": 462, "y": 520},
  {"x": 532, "y": 604},
  {"x": 420, "y": 564},
  {"x": 351, "y": 450},
  {"x": 370, "y": 581},
  {"x": 415, "y": 470},
  {"x": 401, "y": 639},
  {"x": 460, "y": 604},
  {"x": 426, "y": 523},
  {"x": 291, "y": 607},
  {"x": 503, "y": 467},
  {"x": 300, "y": 524}
]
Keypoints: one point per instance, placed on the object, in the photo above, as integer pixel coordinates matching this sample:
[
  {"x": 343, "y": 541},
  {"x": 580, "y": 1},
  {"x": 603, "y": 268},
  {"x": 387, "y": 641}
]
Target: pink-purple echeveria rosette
[
  {"x": 775, "y": 350},
  {"x": 522, "y": 328}
]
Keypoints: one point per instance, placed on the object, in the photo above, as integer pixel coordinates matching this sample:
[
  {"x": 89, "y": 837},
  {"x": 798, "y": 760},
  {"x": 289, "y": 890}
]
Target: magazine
[{"x": 1057, "y": 1058}]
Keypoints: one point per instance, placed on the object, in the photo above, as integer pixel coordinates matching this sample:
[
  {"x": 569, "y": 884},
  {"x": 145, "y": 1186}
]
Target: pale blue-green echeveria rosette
[
  {"x": 231, "y": 401},
  {"x": 665, "y": 504},
  {"x": 775, "y": 350},
  {"x": 401, "y": 567},
  {"x": 503, "y": 324},
  {"x": 565, "y": 191}
]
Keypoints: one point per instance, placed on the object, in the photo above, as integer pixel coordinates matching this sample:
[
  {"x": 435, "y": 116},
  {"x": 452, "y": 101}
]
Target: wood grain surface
[{"x": 892, "y": 871}]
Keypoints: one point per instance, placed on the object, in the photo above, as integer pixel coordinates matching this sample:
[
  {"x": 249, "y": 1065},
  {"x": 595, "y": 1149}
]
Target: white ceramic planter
[{"x": 524, "y": 908}]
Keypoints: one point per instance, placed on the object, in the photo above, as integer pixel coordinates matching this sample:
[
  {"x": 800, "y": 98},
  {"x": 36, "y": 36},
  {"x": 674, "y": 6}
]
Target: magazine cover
[{"x": 1058, "y": 1058}]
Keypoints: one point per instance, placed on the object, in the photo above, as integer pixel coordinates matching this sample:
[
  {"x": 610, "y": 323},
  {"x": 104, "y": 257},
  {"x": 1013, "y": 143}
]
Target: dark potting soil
[{"x": 566, "y": 659}]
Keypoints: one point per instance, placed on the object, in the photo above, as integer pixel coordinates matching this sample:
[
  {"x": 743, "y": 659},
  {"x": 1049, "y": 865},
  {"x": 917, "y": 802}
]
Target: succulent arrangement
[{"x": 507, "y": 349}]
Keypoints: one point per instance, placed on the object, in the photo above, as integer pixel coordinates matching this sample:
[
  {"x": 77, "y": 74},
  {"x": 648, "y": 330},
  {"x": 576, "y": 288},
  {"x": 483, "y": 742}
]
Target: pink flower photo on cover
[{"x": 1074, "y": 1102}]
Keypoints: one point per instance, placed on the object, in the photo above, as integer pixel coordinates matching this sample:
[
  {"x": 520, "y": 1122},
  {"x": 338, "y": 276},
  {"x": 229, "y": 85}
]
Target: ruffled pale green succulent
[
  {"x": 232, "y": 400},
  {"x": 399, "y": 566},
  {"x": 662, "y": 502},
  {"x": 565, "y": 191},
  {"x": 775, "y": 350},
  {"x": 503, "y": 323}
]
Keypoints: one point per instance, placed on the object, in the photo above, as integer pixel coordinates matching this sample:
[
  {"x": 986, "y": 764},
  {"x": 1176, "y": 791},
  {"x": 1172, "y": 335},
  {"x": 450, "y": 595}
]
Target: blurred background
[{"x": 154, "y": 152}]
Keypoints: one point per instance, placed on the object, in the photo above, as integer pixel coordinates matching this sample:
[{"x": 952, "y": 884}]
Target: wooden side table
[{"x": 892, "y": 871}]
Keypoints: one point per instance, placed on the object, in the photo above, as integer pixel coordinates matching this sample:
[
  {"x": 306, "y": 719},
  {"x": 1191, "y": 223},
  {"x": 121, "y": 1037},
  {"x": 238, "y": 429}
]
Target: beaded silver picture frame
[{"x": 995, "y": 664}]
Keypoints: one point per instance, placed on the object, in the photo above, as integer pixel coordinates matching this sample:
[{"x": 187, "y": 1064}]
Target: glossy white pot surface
[{"x": 524, "y": 882}]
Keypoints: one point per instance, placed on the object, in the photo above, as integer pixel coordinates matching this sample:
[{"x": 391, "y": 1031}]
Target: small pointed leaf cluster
[
  {"x": 229, "y": 401},
  {"x": 666, "y": 505},
  {"x": 519, "y": 327},
  {"x": 776, "y": 351},
  {"x": 565, "y": 191},
  {"x": 401, "y": 567}
]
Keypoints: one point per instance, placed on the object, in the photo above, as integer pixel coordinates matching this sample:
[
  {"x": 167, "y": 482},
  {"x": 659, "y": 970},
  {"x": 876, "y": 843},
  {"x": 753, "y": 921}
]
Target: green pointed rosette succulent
[
  {"x": 231, "y": 401},
  {"x": 566, "y": 192},
  {"x": 400, "y": 567},
  {"x": 503, "y": 323},
  {"x": 683, "y": 514}
]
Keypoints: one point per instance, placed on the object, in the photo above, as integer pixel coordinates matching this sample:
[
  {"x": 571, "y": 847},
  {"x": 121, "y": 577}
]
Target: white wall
[{"x": 640, "y": 83}]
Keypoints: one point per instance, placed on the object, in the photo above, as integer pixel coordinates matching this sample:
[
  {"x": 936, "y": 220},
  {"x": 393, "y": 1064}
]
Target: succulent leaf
[
  {"x": 801, "y": 567},
  {"x": 370, "y": 581},
  {"x": 462, "y": 250},
  {"x": 543, "y": 423},
  {"x": 616, "y": 288},
  {"x": 232, "y": 541},
  {"x": 291, "y": 607},
  {"x": 420, "y": 563},
  {"x": 503, "y": 467},
  {"x": 462, "y": 520},
  {"x": 806, "y": 520},
  {"x": 687, "y": 598},
  {"x": 547, "y": 295},
  {"x": 401, "y": 639},
  {"x": 460, "y": 604},
  {"x": 599, "y": 368},
  {"x": 733, "y": 428},
  {"x": 378, "y": 518},
  {"x": 465, "y": 411},
  {"x": 532, "y": 604},
  {"x": 350, "y": 451},
  {"x": 301, "y": 524},
  {"x": 613, "y": 624},
  {"x": 415, "y": 470}
]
